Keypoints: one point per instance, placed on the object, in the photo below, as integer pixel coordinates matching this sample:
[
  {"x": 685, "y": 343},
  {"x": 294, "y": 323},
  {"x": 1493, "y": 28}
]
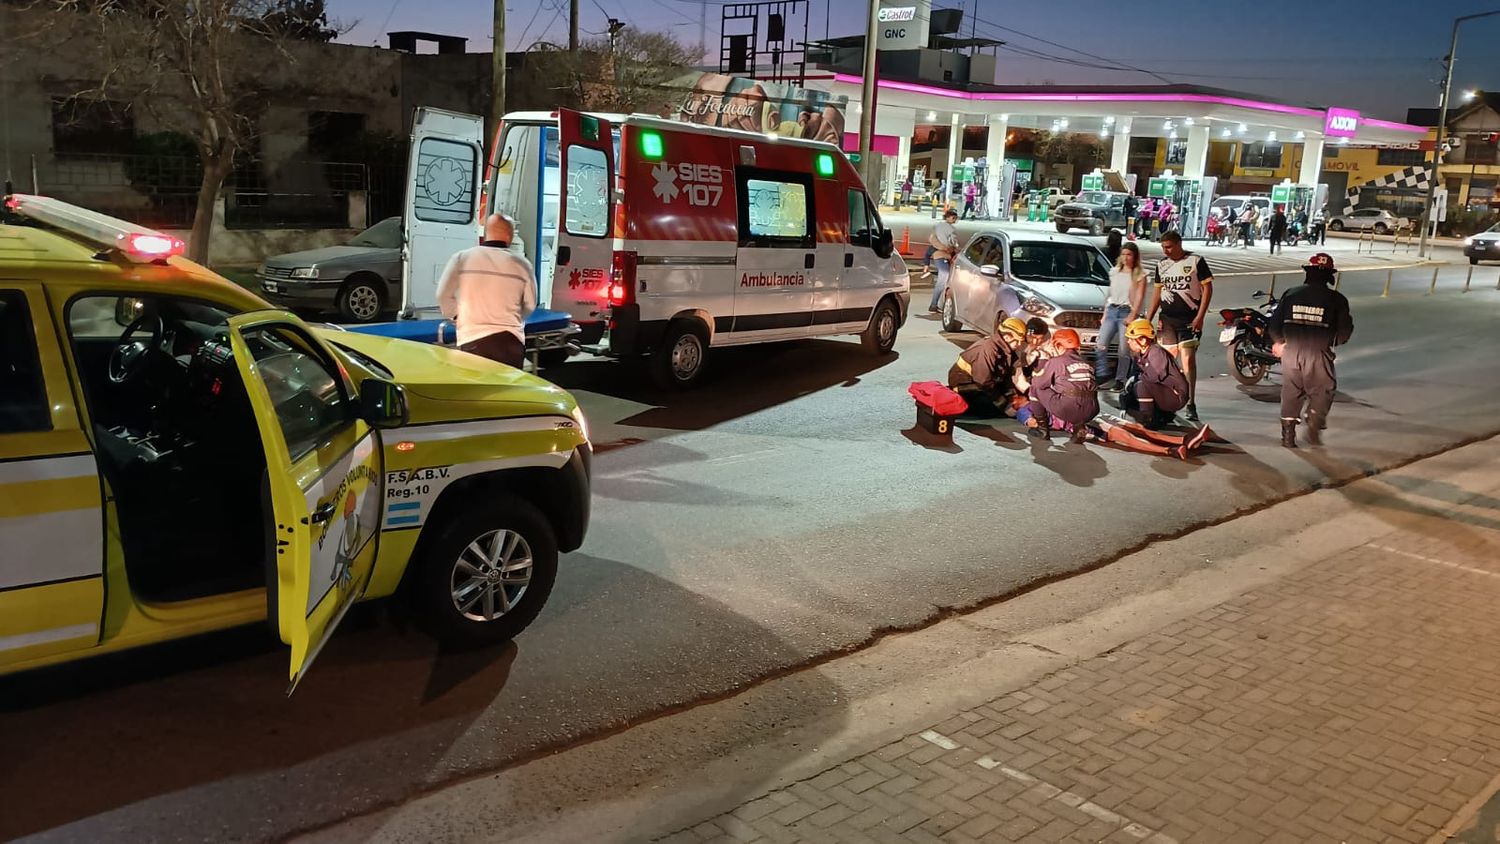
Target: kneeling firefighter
[
  {"x": 1063, "y": 393},
  {"x": 982, "y": 373},
  {"x": 1153, "y": 396},
  {"x": 1308, "y": 322}
]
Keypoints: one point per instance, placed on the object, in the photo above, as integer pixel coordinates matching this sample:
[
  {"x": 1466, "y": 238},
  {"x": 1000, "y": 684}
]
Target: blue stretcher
[{"x": 545, "y": 330}]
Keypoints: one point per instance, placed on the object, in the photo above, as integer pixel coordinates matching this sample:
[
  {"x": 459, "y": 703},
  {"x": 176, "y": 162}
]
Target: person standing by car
[
  {"x": 488, "y": 292},
  {"x": 1319, "y": 235},
  {"x": 944, "y": 240},
  {"x": 1276, "y": 232},
  {"x": 1184, "y": 287},
  {"x": 1308, "y": 322},
  {"x": 1132, "y": 205},
  {"x": 1249, "y": 216},
  {"x": 1127, "y": 292}
]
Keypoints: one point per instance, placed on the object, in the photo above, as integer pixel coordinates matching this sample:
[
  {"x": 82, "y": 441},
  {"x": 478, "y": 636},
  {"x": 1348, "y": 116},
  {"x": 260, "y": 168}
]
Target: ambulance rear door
[
  {"x": 442, "y": 200},
  {"x": 523, "y": 185},
  {"x": 585, "y": 235}
]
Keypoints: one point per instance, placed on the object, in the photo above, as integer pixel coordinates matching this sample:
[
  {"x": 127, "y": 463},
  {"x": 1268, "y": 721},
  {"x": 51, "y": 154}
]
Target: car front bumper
[
  {"x": 1485, "y": 249},
  {"x": 297, "y": 293}
]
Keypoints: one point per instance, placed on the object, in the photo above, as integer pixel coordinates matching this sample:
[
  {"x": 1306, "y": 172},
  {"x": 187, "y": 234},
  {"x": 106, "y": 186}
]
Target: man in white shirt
[
  {"x": 944, "y": 239},
  {"x": 488, "y": 292}
]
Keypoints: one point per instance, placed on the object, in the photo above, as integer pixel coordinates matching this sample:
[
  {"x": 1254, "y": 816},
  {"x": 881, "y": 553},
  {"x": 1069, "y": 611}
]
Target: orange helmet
[{"x": 1066, "y": 338}]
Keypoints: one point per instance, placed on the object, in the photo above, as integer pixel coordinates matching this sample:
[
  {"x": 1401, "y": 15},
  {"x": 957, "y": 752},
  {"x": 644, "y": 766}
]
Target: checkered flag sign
[{"x": 1415, "y": 178}]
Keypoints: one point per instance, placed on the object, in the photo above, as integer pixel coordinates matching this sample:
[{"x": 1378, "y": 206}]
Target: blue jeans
[
  {"x": 1112, "y": 334},
  {"x": 941, "y": 287}
]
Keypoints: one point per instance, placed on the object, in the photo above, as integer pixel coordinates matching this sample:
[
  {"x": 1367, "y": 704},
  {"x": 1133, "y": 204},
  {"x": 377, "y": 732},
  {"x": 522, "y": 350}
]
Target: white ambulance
[{"x": 662, "y": 238}]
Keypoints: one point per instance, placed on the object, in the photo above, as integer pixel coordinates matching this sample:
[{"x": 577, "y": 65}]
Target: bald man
[{"x": 489, "y": 291}]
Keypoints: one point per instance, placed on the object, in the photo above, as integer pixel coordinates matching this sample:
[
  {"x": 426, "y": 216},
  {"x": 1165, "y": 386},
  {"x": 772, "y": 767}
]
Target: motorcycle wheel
[{"x": 1245, "y": 369}]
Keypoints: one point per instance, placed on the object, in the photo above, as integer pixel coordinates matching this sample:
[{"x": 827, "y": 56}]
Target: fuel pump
[{"x": 1190, "y": 197}]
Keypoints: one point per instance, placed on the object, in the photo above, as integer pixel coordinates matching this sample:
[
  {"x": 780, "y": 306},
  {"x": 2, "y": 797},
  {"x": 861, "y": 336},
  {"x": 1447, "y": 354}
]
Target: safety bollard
[
  {"x": 1432, "y": 288},
  {"x": 1468, "y": 278},
  {"x": 1386, "y": 293},
  {"x": 1272, "y": 294},
  {"x": 1338, "y": 278}
]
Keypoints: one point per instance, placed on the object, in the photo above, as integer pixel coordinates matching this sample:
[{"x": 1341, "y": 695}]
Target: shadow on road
[
  {"x": 195, "y": 740},
  {"x": 776, "y": 373}
]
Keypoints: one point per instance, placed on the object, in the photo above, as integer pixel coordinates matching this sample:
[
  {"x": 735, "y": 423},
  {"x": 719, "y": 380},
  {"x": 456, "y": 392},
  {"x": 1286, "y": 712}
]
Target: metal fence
[{"x": 162, "y": 191}]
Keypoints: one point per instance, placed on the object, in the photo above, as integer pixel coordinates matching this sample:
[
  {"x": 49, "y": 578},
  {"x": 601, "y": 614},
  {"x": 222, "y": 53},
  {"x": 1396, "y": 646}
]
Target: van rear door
[
  {"x": 442, "y": 196},
  {"x": 586, "y": 201}
]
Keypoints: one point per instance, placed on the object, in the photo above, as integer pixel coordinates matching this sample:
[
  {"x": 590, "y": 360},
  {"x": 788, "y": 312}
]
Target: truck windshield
[
  {"x": 1058, "y": 262},
  {"x": 1094, "y": 197}
]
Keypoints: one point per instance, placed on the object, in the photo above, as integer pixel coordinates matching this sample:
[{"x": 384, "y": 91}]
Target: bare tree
[
  {"x": 202, "y": 68},
  {"x": 631, "y": 77}
]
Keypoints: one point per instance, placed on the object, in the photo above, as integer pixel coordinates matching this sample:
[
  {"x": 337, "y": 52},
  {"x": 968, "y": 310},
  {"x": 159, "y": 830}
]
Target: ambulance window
[
  {"x": 588, "y": 197},
  {"x": 445, "y": 181},
  {"x": 863, "y": 226},
  {"x": 775, "y": 209},
  {"x": 23, "y": 395}
]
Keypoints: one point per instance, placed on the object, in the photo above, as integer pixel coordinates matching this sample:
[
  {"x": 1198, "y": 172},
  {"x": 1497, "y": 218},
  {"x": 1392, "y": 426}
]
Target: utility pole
[
  {"x": 573, "y": 26},
  {"x": 867, "y": 96},
  {"x": 1428, "y": 212},
  {"x": 497, "y": 73}
]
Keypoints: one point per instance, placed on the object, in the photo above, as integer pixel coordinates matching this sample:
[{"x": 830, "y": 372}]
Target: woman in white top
[{"x": 1127, "y": 292}]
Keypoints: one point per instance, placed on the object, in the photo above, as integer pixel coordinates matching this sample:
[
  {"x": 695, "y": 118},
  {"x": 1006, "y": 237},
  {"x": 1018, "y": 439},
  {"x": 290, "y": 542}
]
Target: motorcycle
[{"x": 1247, "y": 339}]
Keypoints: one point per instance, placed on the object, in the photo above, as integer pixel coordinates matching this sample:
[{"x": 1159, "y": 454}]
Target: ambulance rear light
[{"x": 622, "y": 279}]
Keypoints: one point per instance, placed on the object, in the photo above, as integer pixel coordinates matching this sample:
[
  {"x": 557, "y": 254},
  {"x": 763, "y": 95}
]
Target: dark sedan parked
[{"x": 361, "y": 281}]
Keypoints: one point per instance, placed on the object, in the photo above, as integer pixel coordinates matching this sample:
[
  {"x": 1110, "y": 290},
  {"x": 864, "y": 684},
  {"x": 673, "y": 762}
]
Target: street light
[{"x": 1437, "y": 146}]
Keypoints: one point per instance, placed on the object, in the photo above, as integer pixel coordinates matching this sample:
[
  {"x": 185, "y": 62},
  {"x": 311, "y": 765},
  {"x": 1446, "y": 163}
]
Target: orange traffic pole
[{"x": 906, "y": 241}]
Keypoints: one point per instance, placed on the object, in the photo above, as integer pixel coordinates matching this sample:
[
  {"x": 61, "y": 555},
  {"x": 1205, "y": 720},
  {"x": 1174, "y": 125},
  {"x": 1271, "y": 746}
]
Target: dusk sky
[{"x": 1379, "y": 56}]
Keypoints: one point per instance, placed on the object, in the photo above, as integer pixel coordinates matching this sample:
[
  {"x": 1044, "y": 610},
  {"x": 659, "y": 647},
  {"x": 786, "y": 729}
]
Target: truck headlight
[
  {"x": 305, "y": 272},
  {"x": 1469, "y": 241},
  {"x": 1036, "y": 306},
  {"x": 583, "y": 424}
]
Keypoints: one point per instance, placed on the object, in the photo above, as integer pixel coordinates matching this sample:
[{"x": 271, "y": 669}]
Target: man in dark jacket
[
  {"x": 1308, "y": 322},
  {"x": 1277, "y": 230},
  {"x": 1132, "y": 205},
  {"x": 1159, "y": 389},
  {"x": 1063, "y": 392},
  {"x": 982, "y": 373}
]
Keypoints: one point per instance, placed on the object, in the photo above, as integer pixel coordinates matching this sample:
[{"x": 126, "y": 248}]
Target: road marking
[
  {"x": 1426, "y": 559},
  {"x": 1070, "y": 799},
  {"x": 939, "y": 739}
]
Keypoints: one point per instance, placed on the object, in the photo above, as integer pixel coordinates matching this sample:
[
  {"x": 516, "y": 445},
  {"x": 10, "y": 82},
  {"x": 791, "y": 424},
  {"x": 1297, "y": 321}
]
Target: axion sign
[{"x": 1341, "y": 123}]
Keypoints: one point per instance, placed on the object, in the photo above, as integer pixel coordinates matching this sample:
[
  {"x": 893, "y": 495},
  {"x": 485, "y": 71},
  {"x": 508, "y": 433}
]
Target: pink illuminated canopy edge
[{"x": 1077, "y": 97}]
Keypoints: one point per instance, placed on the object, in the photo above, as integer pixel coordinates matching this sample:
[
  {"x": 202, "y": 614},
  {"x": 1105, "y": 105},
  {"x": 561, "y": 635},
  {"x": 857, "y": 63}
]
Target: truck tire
[
  {"x": 879, "y": 336},
  {"x": 1062, "y": 229},
  {"x": 1096, "y": 227},
  {"x": 681, "y": 359},
  {"x": 361, "y": 298},
  {"x": 487, "y": 575}
]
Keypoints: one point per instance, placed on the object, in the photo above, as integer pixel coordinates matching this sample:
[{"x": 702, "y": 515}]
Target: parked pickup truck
[{"x": 1098, "y": 211}]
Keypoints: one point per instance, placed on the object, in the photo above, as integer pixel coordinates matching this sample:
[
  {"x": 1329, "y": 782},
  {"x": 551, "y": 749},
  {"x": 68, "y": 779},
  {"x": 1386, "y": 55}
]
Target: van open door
[
  {"x": 585, "y": 234},
  {"x": 324, "y": 472},
  {"x": 440, "y": 215}
]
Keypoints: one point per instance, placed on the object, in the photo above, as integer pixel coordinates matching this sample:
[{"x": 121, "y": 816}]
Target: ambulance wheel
[
  {"x": 488, "y": 573},
  {"x": 361, "y": 299},
  {"x": 879, "y": 337},
  {"x": 680, "y": 360},
  {"x": 950, "y": 313}
]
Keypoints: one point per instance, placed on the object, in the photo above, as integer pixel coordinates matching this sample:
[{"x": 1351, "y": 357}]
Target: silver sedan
[{"x": 1377, "y": 220}]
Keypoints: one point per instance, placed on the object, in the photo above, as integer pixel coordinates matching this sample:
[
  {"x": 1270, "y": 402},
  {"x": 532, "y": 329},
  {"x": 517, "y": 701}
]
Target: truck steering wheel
[{"x": 130, "y": 355}]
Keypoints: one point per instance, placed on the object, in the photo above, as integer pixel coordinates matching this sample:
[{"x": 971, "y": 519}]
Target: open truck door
[
  {"x": 442, "y": 201},
  {"x": 583, "y": 284},
  {"x": 324, "y": 472}
]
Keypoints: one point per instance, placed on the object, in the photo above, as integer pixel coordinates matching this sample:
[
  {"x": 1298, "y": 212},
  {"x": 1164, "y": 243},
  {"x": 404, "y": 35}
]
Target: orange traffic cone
[{"x": 906, "y": 241}]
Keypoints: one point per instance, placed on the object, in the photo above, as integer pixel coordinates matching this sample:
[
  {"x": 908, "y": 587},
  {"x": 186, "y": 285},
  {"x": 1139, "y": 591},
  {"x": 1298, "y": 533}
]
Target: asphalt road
[{"x": 783, "y": 513}]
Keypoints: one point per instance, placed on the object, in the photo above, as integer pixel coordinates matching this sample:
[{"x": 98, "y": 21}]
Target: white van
[{"x": 664, "y": 238}]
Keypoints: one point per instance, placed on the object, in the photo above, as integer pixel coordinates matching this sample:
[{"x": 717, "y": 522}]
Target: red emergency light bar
[{"x": 137, "y": 243}]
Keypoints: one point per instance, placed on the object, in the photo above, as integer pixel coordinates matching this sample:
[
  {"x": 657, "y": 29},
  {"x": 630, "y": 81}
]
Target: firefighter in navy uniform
[
  {"x": 1063, "y": 393},
  {"x": 1308, "y": 322},
  {"x": 1158, "y": 389},
  {"x": 982, "y": 373}
]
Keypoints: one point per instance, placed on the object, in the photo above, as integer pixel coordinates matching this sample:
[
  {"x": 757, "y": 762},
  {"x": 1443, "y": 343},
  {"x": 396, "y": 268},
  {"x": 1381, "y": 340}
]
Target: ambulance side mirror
[{"x": 884, "y": 244}]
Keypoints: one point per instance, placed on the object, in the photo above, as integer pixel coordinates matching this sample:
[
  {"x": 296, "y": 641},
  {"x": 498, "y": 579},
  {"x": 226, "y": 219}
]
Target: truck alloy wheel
[{"x": 491, "y": 575}]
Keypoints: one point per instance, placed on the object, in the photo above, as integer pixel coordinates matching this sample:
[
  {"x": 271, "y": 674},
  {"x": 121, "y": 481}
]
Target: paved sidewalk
[{"x": 1356, "y": 700}]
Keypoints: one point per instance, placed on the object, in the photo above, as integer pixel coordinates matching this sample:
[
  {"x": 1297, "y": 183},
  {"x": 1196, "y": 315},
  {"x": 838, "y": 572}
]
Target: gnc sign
[{"x": 1341, "y": 123}]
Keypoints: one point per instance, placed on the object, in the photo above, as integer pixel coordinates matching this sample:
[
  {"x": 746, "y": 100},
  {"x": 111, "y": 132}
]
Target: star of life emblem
[{"x": 666, "y": 182}]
